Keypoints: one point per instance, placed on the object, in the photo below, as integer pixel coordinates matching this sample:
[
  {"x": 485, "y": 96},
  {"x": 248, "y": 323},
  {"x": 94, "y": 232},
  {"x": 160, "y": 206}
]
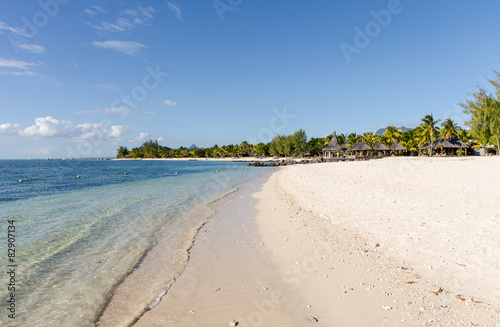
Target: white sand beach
[{"x": 389, "y": 242}]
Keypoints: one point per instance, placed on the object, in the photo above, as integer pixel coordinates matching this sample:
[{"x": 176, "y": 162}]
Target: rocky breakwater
[{"x": 285, "y": 162}]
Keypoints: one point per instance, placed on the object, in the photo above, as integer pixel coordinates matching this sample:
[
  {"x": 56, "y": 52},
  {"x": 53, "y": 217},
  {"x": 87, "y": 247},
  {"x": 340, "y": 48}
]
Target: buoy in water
[
  {"x": 20, "y": 181},
  {"x": 124, "y": 173},
  {"x": 246, "y": 169},
  {"x": 77, "y": 176},
  {"x": 216, "y": 171},
  {"x": 176, "y": 173}
]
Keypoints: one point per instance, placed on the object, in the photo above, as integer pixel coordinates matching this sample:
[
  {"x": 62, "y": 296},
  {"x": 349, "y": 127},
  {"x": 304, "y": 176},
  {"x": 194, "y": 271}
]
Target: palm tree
[
  {"x": 246, "y": 148},
  {"x": 392, "y": 134},
  {"x": 409, "y": 140},
  {"x": 449, "y": 129},
  {"x": 429, "y": 130},
  {"x": 342, "y": 138},
  {"x": 352, "y": 139},
  {"x": 370, "y": 138}
]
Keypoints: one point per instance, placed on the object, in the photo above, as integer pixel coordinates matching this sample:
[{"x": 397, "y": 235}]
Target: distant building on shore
[{"x": 332, "y": 147}]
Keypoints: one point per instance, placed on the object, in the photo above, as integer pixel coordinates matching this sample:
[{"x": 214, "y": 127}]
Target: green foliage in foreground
[{"x": 484, "y": 110}]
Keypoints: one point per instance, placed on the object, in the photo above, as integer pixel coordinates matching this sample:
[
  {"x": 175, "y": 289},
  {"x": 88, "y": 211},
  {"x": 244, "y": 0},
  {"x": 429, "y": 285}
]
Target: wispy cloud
[
  {"x": 12, "y": 63},
  {"x": 121, "y": 111},
  {"x": 130, "y": 48},
  {"x": 126, "y": 20},
  {"x": 18, "y": 73},
  {"x": 19, "y": 31},
  {"x": 169, "y": 103},
  {"x": 33, "y": 48},
  {"x": 94, "y": 10},
  {"x": 141, "y": 137},
  {"x": 176, "y": 10},
  {"x": 108, "y": 87},
  {"x": 142, "y": 13}
]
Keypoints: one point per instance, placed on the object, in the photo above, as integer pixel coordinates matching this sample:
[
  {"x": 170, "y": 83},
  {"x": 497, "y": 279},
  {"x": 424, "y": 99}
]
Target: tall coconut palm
[
  {"x": 409, "y": 140},
  {"x": 465, "y": 136},
  {"x": 353, "y": 138},
  {"x": 342, "y": 138},
  {"x": 392, "y": 134},
  {"x": 449, "y": 129},
  {"x": 370, "y": 138},
  {"x": 429, "y": 130}
]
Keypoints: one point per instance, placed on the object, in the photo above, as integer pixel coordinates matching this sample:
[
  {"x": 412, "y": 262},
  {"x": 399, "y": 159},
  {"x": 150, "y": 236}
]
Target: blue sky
[{"x": 79, "y": 78}]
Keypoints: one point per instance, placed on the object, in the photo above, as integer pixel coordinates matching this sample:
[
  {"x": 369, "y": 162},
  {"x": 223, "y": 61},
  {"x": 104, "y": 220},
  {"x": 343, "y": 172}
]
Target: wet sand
[{"x": 391, "y": 242}]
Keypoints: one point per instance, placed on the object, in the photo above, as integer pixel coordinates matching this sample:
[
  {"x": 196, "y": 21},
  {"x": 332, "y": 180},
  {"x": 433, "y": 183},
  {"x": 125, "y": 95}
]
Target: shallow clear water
[{"x": 77, "y": 238}]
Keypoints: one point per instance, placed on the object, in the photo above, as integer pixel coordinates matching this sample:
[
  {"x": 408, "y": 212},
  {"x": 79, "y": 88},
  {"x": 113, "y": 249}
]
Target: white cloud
[
  {"x": 33, "y": 48},
  {"x": 12, "y": 63},
  {"x": 160, "y": 139},
  {"x": 99, "y": 9},
  {"x": 130, "y": 48},
  {"x": 94, "y": 10},
  {"x": 120, "y": 131},
  {"x": 140, "y": 12},
  {"x": 141, "y": 137},
  {"x": 176, "y": 10},
  {"x": 9, "y": 129},
  {"x": 127, "y": 20},
  {"x": 169, "y": 103},
  {"x": 48, "y": 127},
  {"x": 19, "y": 31}
]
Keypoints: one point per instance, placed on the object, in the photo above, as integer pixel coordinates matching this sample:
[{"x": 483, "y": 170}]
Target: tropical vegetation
[
  {"x": 484, "y": 111},
  {"x": 483, "y": 130}
]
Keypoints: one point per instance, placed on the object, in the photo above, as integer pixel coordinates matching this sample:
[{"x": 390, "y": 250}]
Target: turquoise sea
[{"x": 76, "y": 239}]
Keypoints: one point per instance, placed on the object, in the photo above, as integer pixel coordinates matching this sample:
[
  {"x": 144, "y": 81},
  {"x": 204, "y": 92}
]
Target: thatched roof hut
[
  {"x": 441, "y": 141},
  {"x": 333, "y": 146},
  {"x": 380, "y": 147},
  {"x": 458, "y": 142},
  {"x": 397, "y": 147},
  {"x": 451, "y": 144},
  {"x": 360, "y": 146}
]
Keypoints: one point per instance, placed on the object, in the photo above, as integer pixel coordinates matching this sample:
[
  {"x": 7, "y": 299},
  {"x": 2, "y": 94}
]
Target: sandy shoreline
[
  {"x": 241, "y": 159},
  {"x": 393, "y": 242}
]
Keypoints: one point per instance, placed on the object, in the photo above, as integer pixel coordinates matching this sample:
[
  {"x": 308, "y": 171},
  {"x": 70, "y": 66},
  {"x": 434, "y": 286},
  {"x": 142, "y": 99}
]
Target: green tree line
[{"x": 482, "y": 107}]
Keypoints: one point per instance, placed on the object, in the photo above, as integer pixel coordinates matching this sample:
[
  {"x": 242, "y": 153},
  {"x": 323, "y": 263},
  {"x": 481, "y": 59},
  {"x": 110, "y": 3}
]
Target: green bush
[{"x": 460, "y": 152}]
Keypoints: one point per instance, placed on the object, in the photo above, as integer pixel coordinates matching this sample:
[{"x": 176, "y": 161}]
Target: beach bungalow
[
  {"x": 360, "y": 146},
  {"x": 448, "y": 147},
  {"x": 381, "y": 147},
  {"x": 397, "y": 147},
  {"x": 333, "y": 146}
]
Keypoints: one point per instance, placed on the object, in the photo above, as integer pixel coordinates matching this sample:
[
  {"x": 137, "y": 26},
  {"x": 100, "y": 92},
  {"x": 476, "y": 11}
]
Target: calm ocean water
[{"x": 77, "y": 238}]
